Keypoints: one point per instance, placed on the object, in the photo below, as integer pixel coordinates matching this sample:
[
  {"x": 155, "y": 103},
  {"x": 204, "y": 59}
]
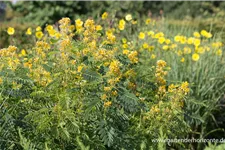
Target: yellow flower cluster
[
  {"x": 40, "y": 76},
  {"x": 206, "y": 34},
  {"x": 103, "y": 50},
  {"x": 133, "y": 56},
  {"x": 169, "y": 106},
  {"x": 79, "y": 25},
  {"x": 9, "y": 56},
  {"x": 10, "y": 51},
  {"x": 160, "y": 73},
  {"x": 114, "y": 67},
  {"x": 185, "y": 47},
  {"x": 110, "y": 36},
  {"x": 107, "y": 104}
]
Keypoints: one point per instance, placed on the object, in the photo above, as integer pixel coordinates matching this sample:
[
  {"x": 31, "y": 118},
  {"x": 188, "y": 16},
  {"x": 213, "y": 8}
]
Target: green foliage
[
  {"x": 215, "y": 147},
  {"x": 43, "y": 12},
  {"x": 53, "y": 11},
  {"x": 72, "y": 112},
  {"x": 25, "y": 143}
]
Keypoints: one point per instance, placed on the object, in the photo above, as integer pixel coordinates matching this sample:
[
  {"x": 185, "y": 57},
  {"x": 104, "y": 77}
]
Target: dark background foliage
[{"x": 42, "y": 12}]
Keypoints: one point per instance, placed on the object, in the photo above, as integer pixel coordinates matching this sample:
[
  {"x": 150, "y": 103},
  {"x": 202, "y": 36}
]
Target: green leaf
[
  {"x": 90, "y": 75},
  {"x": 54, "y": 40}
]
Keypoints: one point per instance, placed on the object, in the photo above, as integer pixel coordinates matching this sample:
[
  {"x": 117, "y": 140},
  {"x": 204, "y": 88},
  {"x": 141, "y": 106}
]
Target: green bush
[
  {"x": 44, "y": 12},
  {"x": 83, "y": 91},
  {"x": 41, "y": 13},
  {"x": 84, "y": 86}
]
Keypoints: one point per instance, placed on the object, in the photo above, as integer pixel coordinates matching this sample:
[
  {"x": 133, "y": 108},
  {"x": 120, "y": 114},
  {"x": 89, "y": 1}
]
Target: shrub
[
  {"x": 118, "y": 83},
  {"x": 60, "y": 92}
]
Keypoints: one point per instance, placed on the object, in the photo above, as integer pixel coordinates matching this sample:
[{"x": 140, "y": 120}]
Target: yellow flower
[
  {"x": 104, "y": 15},
  {"x": 165, "y": 47},
  {"x": 49, "y": 27},
  {"x": 158, "y": 35},
  {"x": 111, "y": 38},
  {"x": 52, "y": 33},
  {"x": 219, "y": 52},
  {"x": 125, "y": 52},
  {"x": 200, "y": 50},
  {"x": 125, "y": 45},
  {"x": 190, "y": 40},
  {"x": 79, "y": 23},
  {"x": 167, "y": 41},
  {"x": 196, "y": 34},
  {"x": 151, "y": 48},
  {"x": 182, "y": 59},
  {"x": 72, "y": 27},
  {"x": 89, "y": 23},
  {"x": 107, "y": 89},
  {"x": 128, "y": 17},
  {"x": 121, "y": 24},
  {"x": 133, "y": 56},
  {"x": 121, "y": 27},
  {"x": 173, "y": 46},
  {"x": 197, "y": 42},
  {"x": 217, "y": 44},
  {"x": 183, "y": 40},
  {"x": 172, "y": 88},
  {"x": 29, "y": 31},
  {"x": 10, "y": 31},
  {"x": 203, "y": 32},
  {"x": 114, "y": 67},
  {"x": 179, "y": 52},
  {"x": 151, "y": 33},
  {"x": 184, "y": 87},
  {"x": 27, "y": 64},
  {"x": 207, "y": 48},
  {"x": 177, "y": 38},
  {"x": 161, "y": 63},
  {"x": 147, "y": 21},
  {"x": 187, "y": 50},
  {"x": 161, "y": 40},
  {"x": 195, "y": 57},
  {"x": 114, "y": 93},
  {"x": 98, "y": 27},
  {"x": 145, "y": 45},
  {"x": 57, "y": 35},
  {"x": 39, "y": 34},
  {"x": 23, "y": 52},
  {"x": 141, "y": 35},
  {"x": 162, "y": 89},
  {"x": 153, "y": 56},
  {"x": 107, "y": 104},
  {"x": 38, "y": 28},
  {"x": 206, "y": 34}
]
